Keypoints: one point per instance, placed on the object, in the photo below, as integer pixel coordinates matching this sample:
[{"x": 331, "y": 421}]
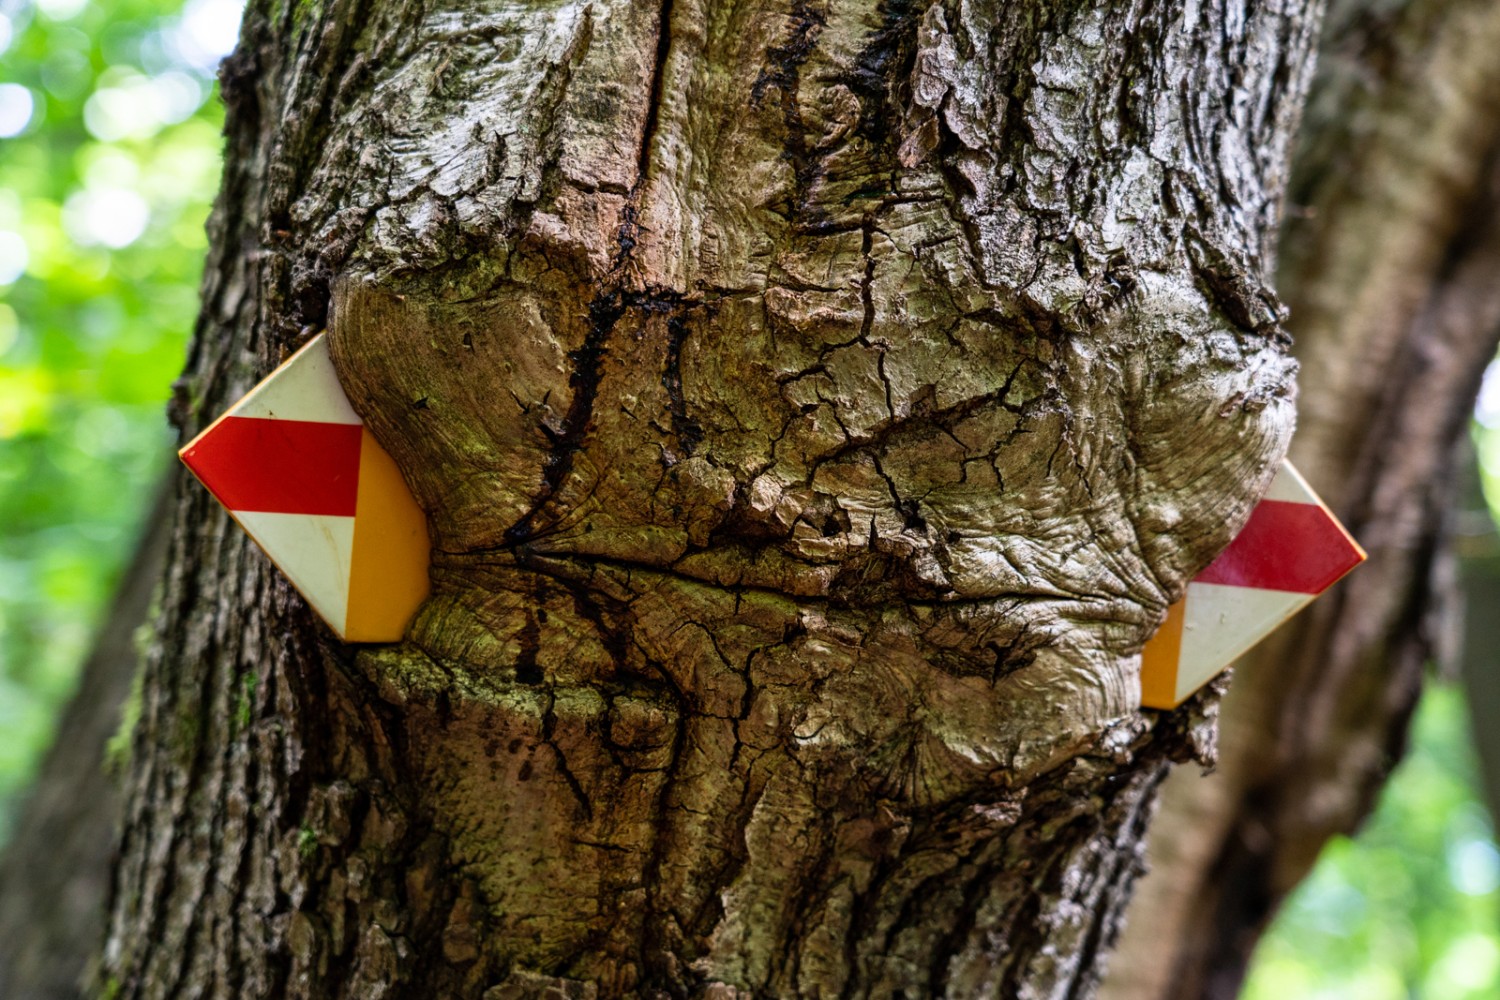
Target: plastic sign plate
[
  {"x": 1291, "y": 550},
  {"x": 294, "y": 465}
]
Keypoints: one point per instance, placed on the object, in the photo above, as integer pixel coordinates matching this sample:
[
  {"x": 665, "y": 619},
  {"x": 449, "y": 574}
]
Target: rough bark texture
[
  {"x": 816, "y": 406},
  {"x": 1389, "y": 266}
]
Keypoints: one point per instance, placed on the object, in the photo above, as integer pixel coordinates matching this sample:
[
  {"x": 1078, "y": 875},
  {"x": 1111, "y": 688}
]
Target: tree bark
[
  {"x": 816, "y": 406},
  {"x": 1389, "y": 267}
]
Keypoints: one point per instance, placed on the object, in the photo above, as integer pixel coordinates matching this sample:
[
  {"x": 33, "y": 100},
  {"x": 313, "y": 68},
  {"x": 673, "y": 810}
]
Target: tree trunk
[
  {"x": 815, "y": 406},
  {"x": 1389, "y": 267}
]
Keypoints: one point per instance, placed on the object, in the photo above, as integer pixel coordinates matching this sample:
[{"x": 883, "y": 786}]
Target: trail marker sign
[
  {"x": 1290, "y": 551},
  {"x": 296, "y": 467}
]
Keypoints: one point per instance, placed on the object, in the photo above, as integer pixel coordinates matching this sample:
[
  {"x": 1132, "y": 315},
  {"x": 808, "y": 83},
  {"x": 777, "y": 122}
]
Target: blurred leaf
[
  {"x": 104, "y": 186},
  {"x": 1411, "y": 908}
]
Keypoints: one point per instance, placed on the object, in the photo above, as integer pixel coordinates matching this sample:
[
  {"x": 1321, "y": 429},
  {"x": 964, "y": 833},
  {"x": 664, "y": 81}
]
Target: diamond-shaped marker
[
  {"x": 295, "y": 466},
  {"x": 1291, "y": 550}
]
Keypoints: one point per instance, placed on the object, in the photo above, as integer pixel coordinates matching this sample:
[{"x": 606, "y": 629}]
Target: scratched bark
[{"x": 816, "y": 406}]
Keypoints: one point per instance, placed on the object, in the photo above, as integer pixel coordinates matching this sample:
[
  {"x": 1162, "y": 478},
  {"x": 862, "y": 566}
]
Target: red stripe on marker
[
  {"x": 280, "y": 466},
  {"x": 1285, "y": 546}
]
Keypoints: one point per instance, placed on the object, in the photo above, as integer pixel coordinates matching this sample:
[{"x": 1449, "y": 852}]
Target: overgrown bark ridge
[
  {"x": 1388, "y": 266},
  {"x": 816, "y": 408}
]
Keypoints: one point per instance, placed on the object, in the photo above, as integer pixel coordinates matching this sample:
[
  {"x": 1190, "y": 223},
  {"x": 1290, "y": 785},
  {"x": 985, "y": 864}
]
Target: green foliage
[
  {"x": 1411, "y": 907},
  {"x": 117, "y": 748},
  {"x": 245, "y": 704},
  {"x": 107, "y": 168},
  {"x": 307, "y": 842}
]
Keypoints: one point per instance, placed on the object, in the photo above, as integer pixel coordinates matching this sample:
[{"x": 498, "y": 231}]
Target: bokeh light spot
[
  {"x": 132, "y": 106},
  {"x": 110, "y": 217},
  {"x": 14, "y": 256},
  {"x": 16, "y": 107},
  {"x": 1474, "y": 867},
  {"x": 207, "y": 32},
  {"x": 61, "y": 10}
]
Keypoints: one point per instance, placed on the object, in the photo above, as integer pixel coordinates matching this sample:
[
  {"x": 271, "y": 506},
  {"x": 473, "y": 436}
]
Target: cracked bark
[
  {"x": 1389, "y": 270},
  {"x": 815, "y": 407}
]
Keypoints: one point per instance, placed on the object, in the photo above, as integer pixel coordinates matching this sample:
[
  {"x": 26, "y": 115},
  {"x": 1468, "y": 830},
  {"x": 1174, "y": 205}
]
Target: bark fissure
[
  {"x": 765, "y": 380},
  {"x": 1387, "y": 267}
]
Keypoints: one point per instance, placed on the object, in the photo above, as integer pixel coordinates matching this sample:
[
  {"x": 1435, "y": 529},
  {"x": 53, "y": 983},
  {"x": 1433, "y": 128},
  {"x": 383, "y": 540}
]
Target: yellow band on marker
[
  {"x": 1159, "y": 660},
  {"x": 388, "y": 571}
]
